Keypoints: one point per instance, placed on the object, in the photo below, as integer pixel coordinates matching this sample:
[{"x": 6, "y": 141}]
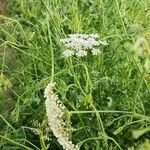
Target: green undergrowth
[{"x": 107, "y": 95}]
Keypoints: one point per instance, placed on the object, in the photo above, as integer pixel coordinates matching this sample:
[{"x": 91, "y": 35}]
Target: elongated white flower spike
[{"x": 55, "y": 111}]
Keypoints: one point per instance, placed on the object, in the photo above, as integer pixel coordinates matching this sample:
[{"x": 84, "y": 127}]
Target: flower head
[
  {"x": 81, "y": 53},
  {"x": 55, "y": 112},
  {"x": 68, "y": 53},
  {"x": 80, "y": 44},
  {"x": 95, "y": 51}
]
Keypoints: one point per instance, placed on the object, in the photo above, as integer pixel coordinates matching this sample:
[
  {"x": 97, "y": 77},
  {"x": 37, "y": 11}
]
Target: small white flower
[
  {"x": 68, "y": 53},
  {"x": 81, "y": 53},
  {"x": 78, "y": 35},
  {"x": 63, "y": 41},
  {"x": 95, "y": 51},
  {"x": 94, "y": 35}
]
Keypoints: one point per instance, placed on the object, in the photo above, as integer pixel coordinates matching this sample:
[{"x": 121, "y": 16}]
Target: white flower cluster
[
  {"x": 55, "y": 111},
  {"x": 41, "y": 127},
  {"x": 78, "y": 44}
]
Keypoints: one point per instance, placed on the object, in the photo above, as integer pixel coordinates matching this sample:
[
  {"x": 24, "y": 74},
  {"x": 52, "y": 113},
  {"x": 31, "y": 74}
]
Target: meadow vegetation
[{"x": 106, "y": 96}]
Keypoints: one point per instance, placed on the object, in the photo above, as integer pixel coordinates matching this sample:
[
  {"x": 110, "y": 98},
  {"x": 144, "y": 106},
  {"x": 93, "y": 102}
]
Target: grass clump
[{"x": 106, "y": 96}]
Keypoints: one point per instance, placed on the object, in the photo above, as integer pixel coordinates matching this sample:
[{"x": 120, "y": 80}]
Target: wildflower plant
[{"x": 102, "y": 90}]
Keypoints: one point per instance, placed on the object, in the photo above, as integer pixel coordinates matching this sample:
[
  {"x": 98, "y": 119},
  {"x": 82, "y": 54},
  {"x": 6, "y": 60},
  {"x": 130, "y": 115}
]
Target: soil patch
[{"x": 2, "y": 7}]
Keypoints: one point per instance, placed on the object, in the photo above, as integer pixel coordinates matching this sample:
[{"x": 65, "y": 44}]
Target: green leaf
[{"x": 137, "y": 133}]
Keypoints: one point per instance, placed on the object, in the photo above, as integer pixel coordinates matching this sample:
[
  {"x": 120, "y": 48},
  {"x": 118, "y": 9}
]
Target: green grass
[{"x": 107, "y": 96}]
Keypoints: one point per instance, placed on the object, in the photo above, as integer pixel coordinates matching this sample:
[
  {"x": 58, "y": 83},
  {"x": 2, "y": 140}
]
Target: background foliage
[{"x": 114, "y": 81}]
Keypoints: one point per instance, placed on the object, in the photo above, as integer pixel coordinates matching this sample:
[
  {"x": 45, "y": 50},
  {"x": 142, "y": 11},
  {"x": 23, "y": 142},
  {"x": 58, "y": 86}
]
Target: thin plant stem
[
  {"x": 15, "y": 143},
  {"x": 115, "y": 143},
  {"x": 100, "y": 124},
  {"x": 42, "y": 142},
  {"x": 7, "y": 123},
  {"x": 52, "y": 52},
  {"x": 137, "y": 92},
  {"x": 121, "y": 18},
  {"x": 3, "y": 61},
  {"x": 76, "y": 80},
  {"x": 99, "y": 111}
]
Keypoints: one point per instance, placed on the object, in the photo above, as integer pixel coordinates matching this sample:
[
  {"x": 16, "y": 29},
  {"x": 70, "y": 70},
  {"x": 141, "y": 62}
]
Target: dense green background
[{"x": 115, "y": 80}]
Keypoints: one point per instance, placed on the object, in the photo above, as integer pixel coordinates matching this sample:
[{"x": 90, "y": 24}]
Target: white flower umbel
[
  {"x": 79, "y": 44},
  {"x": 81, "y": 53},
  {"x": 68, "y": 53},
  {"x": 55, "y": 111}
]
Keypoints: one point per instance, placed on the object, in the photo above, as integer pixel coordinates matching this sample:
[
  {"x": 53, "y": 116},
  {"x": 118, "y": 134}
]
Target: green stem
[
  {"x": 121, "y": 18},
  {"x": 7, "y": 123},
  {"x": 137, "y": 92},
  {"x": 3, "y": 61},
  {"x": 134, "y": 60},
  {"x": 100, "y": 125},
  {"x": 78, "y": 83},
  {"x": 88, "y": 139},
  {"x": 99, "y": 111},
  {"x": 75, "y": 78},
  {"x": 42, "y": 142},
  {"x": 115, "y": 142},
  {"x": 52, "y": 52},
  {"x": 15, "y": 143}
]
